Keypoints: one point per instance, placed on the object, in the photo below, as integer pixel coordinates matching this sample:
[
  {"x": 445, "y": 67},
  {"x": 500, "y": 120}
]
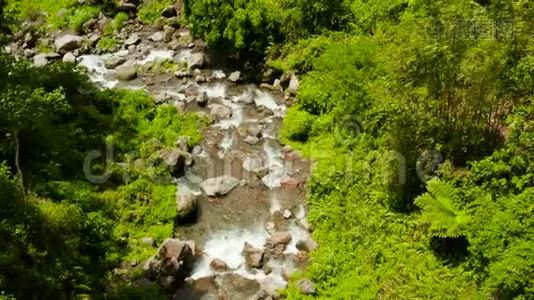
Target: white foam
[
  {"x": 297, "y": 234},
  {"x": 275, "y": 203},
  {"x": 226, "y": 143},
  {"x": 275, "y": 163},
  {"x": 228, "y": 246},
  {"x": 157, "y": 56},
  {"x": 96, "y": 66},
  {"x": 219, "y": 74},
  {"x": 235, "y": 120},
  {"x": 217, "y": 90},
  {"x": 268, "y": 101}
]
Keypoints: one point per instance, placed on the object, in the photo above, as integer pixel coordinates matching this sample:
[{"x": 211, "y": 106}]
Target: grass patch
[
  {"x": 107, "y": 44},
  {"x": 81, "y": 15},
  {"x": 151, "y": 10},
  {"x": 116, "y": 24}
]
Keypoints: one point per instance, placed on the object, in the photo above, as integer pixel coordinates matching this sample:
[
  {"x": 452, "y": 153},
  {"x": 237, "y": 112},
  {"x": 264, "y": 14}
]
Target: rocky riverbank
[{"x": 241, "y": 229}]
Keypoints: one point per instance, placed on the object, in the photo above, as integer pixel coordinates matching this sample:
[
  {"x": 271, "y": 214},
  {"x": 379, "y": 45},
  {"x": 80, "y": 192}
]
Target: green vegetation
[
  {"x": 385, "y": 87},
  {"x": 107, "y": 44},
  {"x": 150, "y": 10},
  {"x": 116, "y": 24},
  {"x": 61, "y": 235}
]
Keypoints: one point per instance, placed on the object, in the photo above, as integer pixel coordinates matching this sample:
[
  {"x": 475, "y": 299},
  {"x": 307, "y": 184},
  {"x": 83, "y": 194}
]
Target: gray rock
[
  {"x": 202, "y": 99},
  {"x": 287, "y": 214},
  {"x": 168, "y": 31},
  {"x": 114, "y": 61},
  {"x": 306, "y": 287},
  {"x": 29, "y": 52},
  {"x": 252, "y": 140},
  {"x": 156, "y": 36},
  {"x": 253, "y": 256},
  {"x": 219, "y": 111},
  {"x": 67, "y": 42},
  {"x": 219, "y": 186},
  {"x": 246, "y": 98},
  {"x": 293, "y": 85},
  {"x": 253, "y": 164},
  {"x": 254, "y": 130},
  {"x": 133, "y": 39},
  {"x": 187, "y": 204},
  {"x": 126, "y": 72},
  {"x": 281, "y": 238},
  {"x": 306, "y": 245},
  {"x": 235, "y": 76},
  {"x": 89, "y": 25},
  {"x": 200, "y": 79},
  {"x": 69, "y": 58},
  {"x": 218, "y": 265},
  {"x": 277, "y": 85},
  {"x": 176, "y": 159},
  {"x": 175, "y": 258},
  {"x": 196, "y": 61},
  {"x": 40, "y": 60},
  {"x": 181, "y": 74},
  {"x": 169, "y": 12}
]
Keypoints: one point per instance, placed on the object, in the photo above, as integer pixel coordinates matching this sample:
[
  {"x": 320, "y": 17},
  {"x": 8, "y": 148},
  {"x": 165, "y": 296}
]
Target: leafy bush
[{"x": 297, "y": 125}]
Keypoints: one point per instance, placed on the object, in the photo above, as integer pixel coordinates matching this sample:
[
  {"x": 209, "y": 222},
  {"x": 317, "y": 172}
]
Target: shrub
[{"x": 297, "y": 125}]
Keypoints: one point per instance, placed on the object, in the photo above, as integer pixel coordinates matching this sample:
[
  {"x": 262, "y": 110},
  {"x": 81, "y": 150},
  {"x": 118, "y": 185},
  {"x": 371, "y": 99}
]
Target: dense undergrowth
[
  {"x": 419, "y": 115},
  {"x": 61, "y": 235}
]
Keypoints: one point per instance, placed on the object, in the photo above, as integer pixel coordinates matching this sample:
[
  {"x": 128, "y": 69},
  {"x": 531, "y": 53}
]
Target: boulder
[
  {"x": 253, "y": 164},
  {"x": 306, "y": 287},
  {"x": 306, "y": 245},
  {"x": 255, "y": 130},
  {"x": 126, "y": 72},
  {"x": 169, "y": 12},
  {"x": 235, "y": 76},
  {"x": 246, "y": 98},
  {"x": 196, "y": 61},
  {"x": 67, "y": 42},
  {"x": 168, "y": 31},
  {"x": 219, "y": 111},
  {"x": 181, "y": 74},
  {"x": 219, "y": 186},
  {"x": 177, "y": 159},
  {"x": 40, "y": 60},
  {"x": 175, "y": 258},
  {"x": 290, "y": 183},
  {"x": 133, "y": 39},
  {"x": 127, "y": 6},
  {"x": 69, "y": 58},
  {"x": 252, "y": 140},
  {"x": 253, "y": 256},
  {"x": 114, "y": 61},
  {"x": 281, "y": 238},
  {"x": 89, "y": 25},
  {"x": 218, "y": 265},
  {"x": 187, "y": 204},
  {"x": 293, "y": 85},
  {"x": 200, "y": 79},
  {"x": 287, "y": 214},
  {"x": 156, "y": 36},
  {"x": 202, "y": 99}
]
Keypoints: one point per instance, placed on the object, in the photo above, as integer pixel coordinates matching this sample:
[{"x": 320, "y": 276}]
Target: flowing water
[{"x": 263, "y": 203}]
